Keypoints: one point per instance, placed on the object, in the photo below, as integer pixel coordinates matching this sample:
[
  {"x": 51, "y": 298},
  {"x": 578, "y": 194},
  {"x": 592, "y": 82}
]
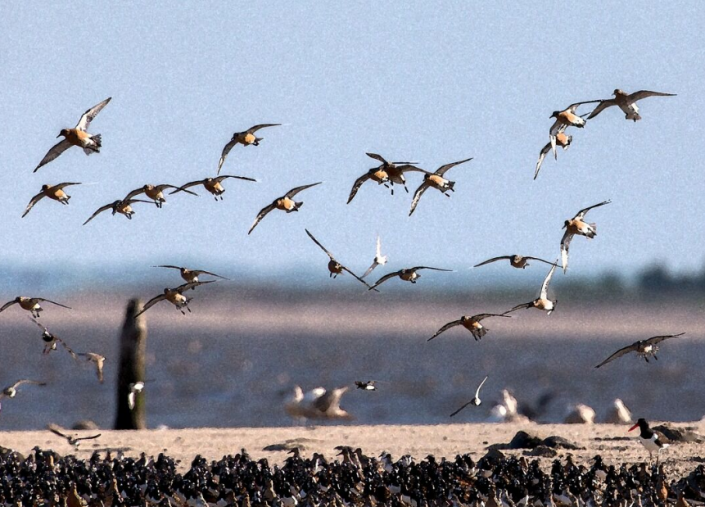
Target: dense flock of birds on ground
[
  {"x": 44, "y": 478},
  {"x": 320, "y": 403}
]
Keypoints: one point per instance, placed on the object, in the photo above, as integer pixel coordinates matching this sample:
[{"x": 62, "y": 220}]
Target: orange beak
[{"x": 634, "y": 427}]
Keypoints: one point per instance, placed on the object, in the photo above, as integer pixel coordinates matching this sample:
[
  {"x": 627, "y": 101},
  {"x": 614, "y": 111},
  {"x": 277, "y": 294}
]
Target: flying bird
[
  {"x": 475, "y": 401},
  {"x": 97, "y": 360},
  {"x": 471, "y": 323},
  {"x": 54, "y": 192},
  {"x": 516, "y": 261},
  {"x": 50, "y": 340},
  {"x": 368, "y": 385},
  {"x": 317, "y": 403},
  {"x": 334, "y": 267},
  {"x": 395, "y": 170},
  {"x": 564, "y": 119},
  {"x": 30, "y": 304},
  {"x": 542, "y": 302},
  {"x": 562, "y": 140},
  {"x": 379, "y": 260},
  {"x": 643, "y": 348},
  {"x": 375, "y": 174},
  {"x": 155, "y": 192},
  {"x": 174, "y": 296},
  {"x": 653, "y": 441},
  {"x": 627, "y": 102},
  {"x": 134, "y": 388},
  {"x": 77, "y": 136},
  {"x": 11, "y": 391},
  {"x": 72, "y": 440},
  {"x": 407, "y": 274},
  {"x": 123, "y": 207},
  {"x": 437, "y": 181},
  {"x": 213, "y": 185},
  {"x": 245, "y": 138},
  {"x": 190, "y": 275},
  {"x": 283, "y": 203},
  {"x": 578, "y": 226}
]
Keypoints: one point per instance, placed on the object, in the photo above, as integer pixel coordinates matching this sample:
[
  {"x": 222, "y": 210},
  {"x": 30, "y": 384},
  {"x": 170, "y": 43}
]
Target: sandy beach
[{"x": 613, "y": 442}]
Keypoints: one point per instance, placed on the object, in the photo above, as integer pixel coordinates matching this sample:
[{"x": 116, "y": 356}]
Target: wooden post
[{"x": 133, "y": 343}]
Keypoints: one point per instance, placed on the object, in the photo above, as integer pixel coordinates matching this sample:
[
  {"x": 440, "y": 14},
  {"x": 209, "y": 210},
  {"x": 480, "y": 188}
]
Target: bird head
[
  {"x": 617, "y": 91},
  {"x": 565, "y": 224},
  {"x": 64, "y": 132},
  {"x": 45, "y": 187},
  {"x": 641, "y": 423},
  {"x": 555, "y": 114}
]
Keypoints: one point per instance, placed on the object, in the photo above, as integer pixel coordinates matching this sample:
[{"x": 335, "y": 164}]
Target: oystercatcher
[{"x": 652, "y": 440}]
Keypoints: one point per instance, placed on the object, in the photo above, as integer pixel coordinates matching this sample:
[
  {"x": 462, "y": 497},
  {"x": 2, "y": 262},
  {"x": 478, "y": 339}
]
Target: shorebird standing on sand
[{"x": 653, "y": 441}]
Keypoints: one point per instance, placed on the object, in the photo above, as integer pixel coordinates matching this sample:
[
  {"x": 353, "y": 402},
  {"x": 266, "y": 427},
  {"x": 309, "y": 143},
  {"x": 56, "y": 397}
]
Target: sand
[{"x": 611, "y": 441}]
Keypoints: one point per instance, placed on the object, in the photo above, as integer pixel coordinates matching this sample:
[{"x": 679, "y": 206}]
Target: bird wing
[
  {"x": 57, "y": 432},
  {"x": 7, "y": 305},
  {"x": 100, "y": 210},
  {"x": 378, "y": 251},
  {"x": 581, "y": 214},
  {"x": 481, "y": 316},
  {"x": 149, "y": 304},
  {"x": 377, "y": 157},
  {"x": 224, "y": 155},
  {"x": 320, "y": 246},
  {"x": 65, "y": 184},
  {"x": 357, "y": 278},
  {"x": 544, "y": 286},
  {"x": 573, "y": 107},
  {"x": 263, "y": 213},
  {"x": 87, "y": 438},
  {"x": 34, "y": 200},
  {"x": 254, "y": 129},
  {"x": 642, "y": 94},
  {"x": 27, "y": 381},
  {"x": 190, "y": 184},
  {"x": 658, "y": 339},
  {"x": 604, "y": 104},
  {"x": 565, "y": 245},
  {"x": 53, "y": 302},
  {"x": 371, "y": 268},
  {"x": 542, "y": 156},
  {"x": 167, "y": 266},
  {"x": 385, "y": 278},
  {"x": 445, "y": 168},
  {"x": 225, "y": 176},
  {"x": 445, "y": 328},
  {"x": 477, "y": 393},
  {"x": 416, "y": 268},
  {"x": 134, "y": 193},
  {"x": 537, "y": 259},
  {"x": 520, "y": 307},
  {"x": 417, "y": 195},
  {"x": 408, "y": 167},
  {"x": 54, "y": 152},
  {"x": 191, "y": 285},
  {"x": 461, "y": 408},
  {"x": 493, "y": 259},
  {"x": 178, "y": 189},
  {"x": 204, "y": 272},
  {"x": 41, "y": 326},
  {"x": 88, "y": 116},
  {"x": 68, "y": 349},
  {"x": 291, "y": 193},
  {"x": 619, "y": 353},
  {"x": 356, "y": 186}
]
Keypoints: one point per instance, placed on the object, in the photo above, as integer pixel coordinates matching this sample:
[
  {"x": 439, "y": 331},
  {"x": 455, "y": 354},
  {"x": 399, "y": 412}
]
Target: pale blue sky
[{"x": 432, "y": 82}]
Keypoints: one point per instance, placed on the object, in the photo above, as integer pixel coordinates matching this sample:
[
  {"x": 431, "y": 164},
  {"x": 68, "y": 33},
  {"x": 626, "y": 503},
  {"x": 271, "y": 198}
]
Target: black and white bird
[
  {"x": 475, "y": 401},
  {"x": 653, "y": 441},
  {"x": 643, "y": 348},
  {"x": 367, "y": 385},
  {"x": 134, "y": 388},
  {"x": 51, "y": 340}
]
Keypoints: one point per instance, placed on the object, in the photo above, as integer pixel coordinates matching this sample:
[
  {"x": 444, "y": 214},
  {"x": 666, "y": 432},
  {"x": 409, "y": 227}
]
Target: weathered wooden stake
[{"x": 133, "y": 343}]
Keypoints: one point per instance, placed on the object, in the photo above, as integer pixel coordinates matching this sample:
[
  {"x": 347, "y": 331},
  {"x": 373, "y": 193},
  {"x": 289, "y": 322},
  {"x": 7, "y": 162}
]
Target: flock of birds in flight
[{"x": 387, "y": 174}]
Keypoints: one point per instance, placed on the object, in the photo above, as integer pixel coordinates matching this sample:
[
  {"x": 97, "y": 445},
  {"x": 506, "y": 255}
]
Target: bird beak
[
  {"x": 58, "y": 136},
  {"x": 634, "y": 427}
]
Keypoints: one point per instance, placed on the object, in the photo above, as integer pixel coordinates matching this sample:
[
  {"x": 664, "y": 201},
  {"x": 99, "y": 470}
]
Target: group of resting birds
[{"x": 44, "y": 478}]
